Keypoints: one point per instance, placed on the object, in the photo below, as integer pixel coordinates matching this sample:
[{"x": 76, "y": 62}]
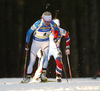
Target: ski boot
[
  {"x": 43, "y": 76},
  {"x": 58, "y": 77},
  {"x": 26, "y": 79}
]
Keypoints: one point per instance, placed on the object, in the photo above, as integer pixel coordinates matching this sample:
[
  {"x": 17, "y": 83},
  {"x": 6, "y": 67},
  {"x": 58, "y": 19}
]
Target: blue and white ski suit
[{"x": 40, "y": 40}]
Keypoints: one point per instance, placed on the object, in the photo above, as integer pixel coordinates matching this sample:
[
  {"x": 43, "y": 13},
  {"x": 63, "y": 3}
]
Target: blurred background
[{"x": 80, "y": 17}]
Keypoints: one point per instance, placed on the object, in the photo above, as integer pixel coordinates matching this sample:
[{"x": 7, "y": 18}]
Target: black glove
[
  {"x": 55, "y": 40},
  {"x": 26, "y": 46}
]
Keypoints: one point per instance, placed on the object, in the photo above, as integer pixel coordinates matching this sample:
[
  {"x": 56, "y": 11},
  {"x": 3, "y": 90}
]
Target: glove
[
  {"x": 67, "y": 51},
  {"x": 27, "y": 46},
  {"x": 55, "y": 40}
]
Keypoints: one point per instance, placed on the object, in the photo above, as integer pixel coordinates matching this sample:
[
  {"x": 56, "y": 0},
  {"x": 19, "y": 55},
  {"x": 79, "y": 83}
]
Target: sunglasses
[{"x": 46, "y": 21}]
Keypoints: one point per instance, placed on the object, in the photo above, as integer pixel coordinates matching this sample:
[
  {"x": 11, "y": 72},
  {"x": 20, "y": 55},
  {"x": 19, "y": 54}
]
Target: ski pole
[
  {"x": 25, "y": 64},
  {"x": 69, "y": 68},
  {"x": 64, "y": 71},
  {"x": 57, "y": 11},
  {"x": 62, "y": 63}
]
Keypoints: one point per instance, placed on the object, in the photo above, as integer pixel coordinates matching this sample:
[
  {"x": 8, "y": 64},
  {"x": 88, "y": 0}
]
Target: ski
[
  {"x": 38, "y": 81},
  {"x": 10, "y": 83},
  {"x": 47, "y": 81},
  {"x": 22, "y": 82}
]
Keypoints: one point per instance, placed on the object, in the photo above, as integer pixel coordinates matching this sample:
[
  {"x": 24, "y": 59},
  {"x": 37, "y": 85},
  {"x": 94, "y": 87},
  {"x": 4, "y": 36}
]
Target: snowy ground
[{"x": 77, "y": 84}]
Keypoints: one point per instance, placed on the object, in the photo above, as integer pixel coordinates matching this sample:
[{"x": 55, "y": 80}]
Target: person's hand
[
  {"x": 67, "y": 51},
  {"x": 26, "y": 46},
  {"x": 55, "y": 40}
]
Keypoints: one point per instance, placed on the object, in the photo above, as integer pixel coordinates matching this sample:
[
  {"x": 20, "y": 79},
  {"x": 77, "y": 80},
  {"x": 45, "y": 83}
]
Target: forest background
[{"x": 80, "y": 17}]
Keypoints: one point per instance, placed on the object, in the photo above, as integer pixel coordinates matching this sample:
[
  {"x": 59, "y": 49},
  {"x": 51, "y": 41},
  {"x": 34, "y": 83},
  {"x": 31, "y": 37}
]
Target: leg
[
  {"x": 58, "y": 69},
  {"x": 58, "y": 59},
  {"x": 39, "y": 69},
  {"x": 31, "y": 63},
  {"x": 34, "y": 49},
  {"x": 45, "y": 62},
  {"x": 33, "y": 52}
]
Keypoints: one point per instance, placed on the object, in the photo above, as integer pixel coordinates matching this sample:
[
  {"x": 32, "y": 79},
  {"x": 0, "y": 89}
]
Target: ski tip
[
  {"x": 47, "y": 81},
  {"x": 22, "y": 82}
]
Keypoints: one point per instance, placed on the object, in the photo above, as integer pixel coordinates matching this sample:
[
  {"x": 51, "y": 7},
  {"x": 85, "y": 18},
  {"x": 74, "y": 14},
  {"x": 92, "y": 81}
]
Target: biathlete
[{"x": 42, "y": 29}]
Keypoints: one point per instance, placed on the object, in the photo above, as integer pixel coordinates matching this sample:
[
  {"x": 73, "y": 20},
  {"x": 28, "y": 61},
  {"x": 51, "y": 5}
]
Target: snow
[{"x": 77, "y": 84}]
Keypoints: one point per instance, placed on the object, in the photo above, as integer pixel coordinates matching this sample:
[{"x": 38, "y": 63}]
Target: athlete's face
[{"x": 46, "y": 23}]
